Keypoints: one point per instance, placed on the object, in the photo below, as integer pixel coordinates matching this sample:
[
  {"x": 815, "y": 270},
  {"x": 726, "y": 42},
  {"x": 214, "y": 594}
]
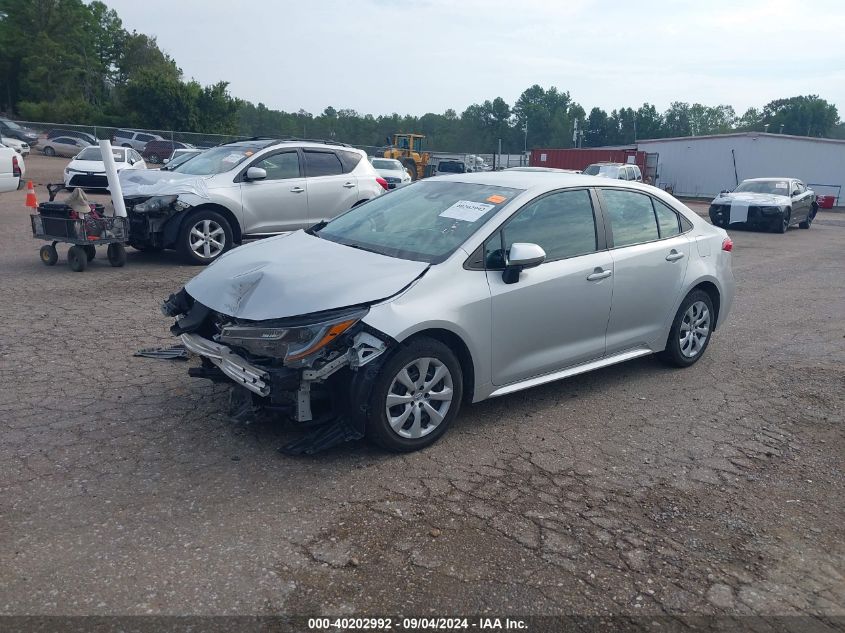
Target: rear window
[{"x": 610, "y": 171}]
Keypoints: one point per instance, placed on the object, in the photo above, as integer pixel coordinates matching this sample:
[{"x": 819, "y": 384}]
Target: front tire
[
  {"x": 783, "y": 226},
  {"x": 49, "y": 151},
  {"x": 691, "y": 330},
  {"x": 415, "y": 397},
  {"x": 204, "y": 237}
]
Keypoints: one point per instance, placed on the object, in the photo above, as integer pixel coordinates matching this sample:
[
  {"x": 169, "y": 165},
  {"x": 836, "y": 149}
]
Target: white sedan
[
  {"x": 392, "y": 171},
  {"x": 21, "y": 147},
  {"x": 87, "y": 170}
]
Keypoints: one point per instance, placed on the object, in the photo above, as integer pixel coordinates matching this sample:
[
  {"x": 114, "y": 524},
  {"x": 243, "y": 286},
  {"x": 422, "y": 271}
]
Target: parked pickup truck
[{"x": 11, "y": 169}]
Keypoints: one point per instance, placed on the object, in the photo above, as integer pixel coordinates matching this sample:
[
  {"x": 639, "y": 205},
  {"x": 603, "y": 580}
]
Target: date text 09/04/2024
[{"x": 419, "y": 624}]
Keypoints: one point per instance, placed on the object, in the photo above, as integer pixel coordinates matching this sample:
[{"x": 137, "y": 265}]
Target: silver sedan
[{"x": 450, "y": 291}]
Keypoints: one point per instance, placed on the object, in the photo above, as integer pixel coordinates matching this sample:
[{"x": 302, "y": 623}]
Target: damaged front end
[
  {"x": 150, "y": 220},
  {"x": 307, "y": 368}
]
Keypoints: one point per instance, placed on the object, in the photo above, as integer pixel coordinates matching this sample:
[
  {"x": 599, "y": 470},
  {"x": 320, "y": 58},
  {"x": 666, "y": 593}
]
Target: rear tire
[
  {"x": 205, "y": 236},
  {"x": 691, "y": 330},
  {"x": 424, "y": 381},
  {"x": 77, "y": 259}
]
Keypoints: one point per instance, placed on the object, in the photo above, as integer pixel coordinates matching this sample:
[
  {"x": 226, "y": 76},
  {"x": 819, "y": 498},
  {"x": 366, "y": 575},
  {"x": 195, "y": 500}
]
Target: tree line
[{"x": 74, "y": 62}]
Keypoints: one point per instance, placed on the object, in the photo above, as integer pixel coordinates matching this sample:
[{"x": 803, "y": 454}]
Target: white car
[
  {"x": 87, "y": 170},
  {"x": 12, "y": 169},
  {"x": 392, "y": 171},
  {"x": 21, "y": 147}
]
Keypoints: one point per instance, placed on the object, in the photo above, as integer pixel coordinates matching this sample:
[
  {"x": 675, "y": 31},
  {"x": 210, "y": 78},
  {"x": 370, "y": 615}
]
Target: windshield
[
  {"x": 179, "y": 158},
  {"x": 602, "y": 170},
  {"x": 93, "y": 153},
  {"x": 217, "y": 160},
  {"x": 424, "y": 222},
  {"x": 381, "y": 163},
  {"x": 776, "y": 187}
]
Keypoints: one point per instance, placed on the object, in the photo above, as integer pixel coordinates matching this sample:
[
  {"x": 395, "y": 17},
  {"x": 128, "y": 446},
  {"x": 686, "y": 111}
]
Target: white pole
[{"x": 114, "y": 184}]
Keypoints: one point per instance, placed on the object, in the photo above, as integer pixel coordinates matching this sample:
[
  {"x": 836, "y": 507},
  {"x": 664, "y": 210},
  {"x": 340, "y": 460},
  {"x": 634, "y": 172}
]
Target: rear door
[
  {"x": 555, "y": 315},
  {"x": 279, "y": 202},
  {"x": 8, "y": 181},
  {"x": 650, "y": 257},
  {"x": 330, "y": 190}
]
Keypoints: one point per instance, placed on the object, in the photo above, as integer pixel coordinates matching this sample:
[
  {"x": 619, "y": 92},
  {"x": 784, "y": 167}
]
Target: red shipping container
[{"x": 581, "y": 158}]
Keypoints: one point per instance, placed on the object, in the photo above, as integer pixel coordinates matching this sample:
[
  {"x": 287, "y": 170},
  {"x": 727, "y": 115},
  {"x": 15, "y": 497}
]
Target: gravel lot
[{"x": 632, "y": 490}]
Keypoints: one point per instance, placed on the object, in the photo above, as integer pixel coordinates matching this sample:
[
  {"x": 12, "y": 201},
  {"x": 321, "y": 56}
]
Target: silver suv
[
  {"x": 135, "y": 140},
  {"x": 453, "y": 290},
  {"x": 246, "y": 189},
  {"x": 617, "y": 171}
]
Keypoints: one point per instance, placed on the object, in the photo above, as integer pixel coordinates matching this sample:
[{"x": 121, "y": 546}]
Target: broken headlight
[
  {"x": 290, "y": 343},
  {"x": 159, "y": 203}
]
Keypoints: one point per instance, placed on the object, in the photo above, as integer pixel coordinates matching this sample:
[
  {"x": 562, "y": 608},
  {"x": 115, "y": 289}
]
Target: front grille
[{"x": 93, "y": 182}]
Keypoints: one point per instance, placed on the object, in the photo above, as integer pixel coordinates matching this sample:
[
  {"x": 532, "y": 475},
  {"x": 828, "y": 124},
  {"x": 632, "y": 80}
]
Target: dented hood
[
  {"x": 760, "y": 199},
  {"x": 297, "y": 274},
  {"x": 154, "y": 182}
]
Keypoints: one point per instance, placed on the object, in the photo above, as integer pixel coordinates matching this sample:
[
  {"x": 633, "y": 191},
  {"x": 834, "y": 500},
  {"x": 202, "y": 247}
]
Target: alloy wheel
[
  {"x": 207, "y": 239},
  {"x": 419, "y": 398},
  {"x": 694, "y": 330}
]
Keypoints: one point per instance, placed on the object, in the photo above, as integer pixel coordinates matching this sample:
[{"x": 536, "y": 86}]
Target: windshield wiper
[{"x": 312, "y": 230}]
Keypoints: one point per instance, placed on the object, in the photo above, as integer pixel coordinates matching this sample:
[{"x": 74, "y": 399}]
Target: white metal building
[{"x": 702, "y": 166}]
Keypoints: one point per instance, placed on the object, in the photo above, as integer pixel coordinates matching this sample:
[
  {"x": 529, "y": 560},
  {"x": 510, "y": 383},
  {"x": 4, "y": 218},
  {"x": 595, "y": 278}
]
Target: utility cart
[{"x": 57, "y": 222}]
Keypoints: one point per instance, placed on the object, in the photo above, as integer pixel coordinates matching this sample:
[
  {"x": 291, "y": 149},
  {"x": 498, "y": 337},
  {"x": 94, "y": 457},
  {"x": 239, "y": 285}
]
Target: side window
[
  {"x": 137, "y": 156},
  {"x": 322, "y": 164},
  {"x": 667, "y": 220},
  {"x": 122, "y": 134},
  {"x": 631, "y": 217},
  {"x": 145, "y": 138},
  {"x": 562, "y": 223},
  {"x": 280, "y": 166},
  {"x": 62, "y": 140},
  {"x": 623, "y": 175},
  {"x": 632, "y": 175},
  {"x": 349, "y": 160},
  {"x": 638, "y": 175}
]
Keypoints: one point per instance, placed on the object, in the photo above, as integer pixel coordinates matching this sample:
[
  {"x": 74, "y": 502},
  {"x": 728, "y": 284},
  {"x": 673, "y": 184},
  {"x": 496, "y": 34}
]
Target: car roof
[
  {"x": 771, "y": 178},
  {"x": 542, "y": 180}
]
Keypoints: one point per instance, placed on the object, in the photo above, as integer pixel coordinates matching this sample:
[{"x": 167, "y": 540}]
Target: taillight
[
  {"x": 727, "y": 244},
  {"x": 382, "y": 182},
  {"x": 16, "y": 169}
]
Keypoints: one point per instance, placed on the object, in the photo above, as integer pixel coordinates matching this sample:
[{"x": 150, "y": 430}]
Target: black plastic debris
[
  {"x": 332, "y": 433},
  {"x": 176, "y": 352}
]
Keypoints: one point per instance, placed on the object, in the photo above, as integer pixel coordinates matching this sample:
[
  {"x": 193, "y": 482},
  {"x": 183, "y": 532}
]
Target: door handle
[
  {"x": 674, "y": 256},
  {"x": 297, "y": 189},
  {"x": 599, "y": 274},
  {"x": 349, "y": 185}
]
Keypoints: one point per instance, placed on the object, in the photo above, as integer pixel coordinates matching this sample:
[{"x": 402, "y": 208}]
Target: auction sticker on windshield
[{"x": 466, "y": 210}]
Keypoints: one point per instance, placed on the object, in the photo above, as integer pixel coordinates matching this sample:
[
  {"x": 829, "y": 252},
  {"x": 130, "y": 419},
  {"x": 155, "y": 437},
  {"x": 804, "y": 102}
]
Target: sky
[{"x": 413, "y": 57}]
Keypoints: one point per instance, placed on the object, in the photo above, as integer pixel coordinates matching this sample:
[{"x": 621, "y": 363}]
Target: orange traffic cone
[{"x": 31, "y": 200}]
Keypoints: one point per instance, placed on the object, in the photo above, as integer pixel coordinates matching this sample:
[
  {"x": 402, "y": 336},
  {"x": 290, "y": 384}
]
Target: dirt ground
[{"x": 636, "y": 490}]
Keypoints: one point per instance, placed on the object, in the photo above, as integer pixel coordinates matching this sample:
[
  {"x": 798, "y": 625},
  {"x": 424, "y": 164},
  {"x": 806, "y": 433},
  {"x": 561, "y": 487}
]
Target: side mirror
[
  {"x": 166, "y": 160},
  {"x": 796, "y": 193},
  {"x": 724, "y": 191},
  {"x": 520, "y": 257},
  {"x": 256, "y": 173}
]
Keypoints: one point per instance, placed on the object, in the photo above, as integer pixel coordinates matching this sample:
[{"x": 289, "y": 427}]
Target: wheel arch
[
  {"x": 454, "y": 342},
  {"x": 715, "y": 295},
  {"x": 237, "y": 235}
]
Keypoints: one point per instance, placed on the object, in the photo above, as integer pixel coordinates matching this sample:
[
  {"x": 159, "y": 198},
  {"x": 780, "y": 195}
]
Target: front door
[
  {"x": 650, "y": 257},
  {"x": 555, "y": 315},
  {"x": 279, "y": 202}
]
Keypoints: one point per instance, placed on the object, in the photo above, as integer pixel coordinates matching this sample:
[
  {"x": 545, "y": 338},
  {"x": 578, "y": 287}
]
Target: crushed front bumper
[{"x": 235, "y": 367}]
